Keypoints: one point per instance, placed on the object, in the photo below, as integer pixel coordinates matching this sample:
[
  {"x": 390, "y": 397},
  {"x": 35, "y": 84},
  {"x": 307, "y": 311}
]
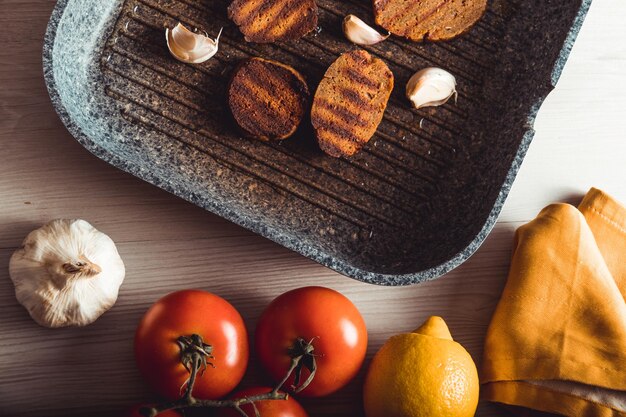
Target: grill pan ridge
[{"x": 416, "y": 202}]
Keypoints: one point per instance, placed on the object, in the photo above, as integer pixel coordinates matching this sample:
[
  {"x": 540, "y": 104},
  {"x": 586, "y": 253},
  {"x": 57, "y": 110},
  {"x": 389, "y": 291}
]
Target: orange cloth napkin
[{"x": 557, "y": 340}]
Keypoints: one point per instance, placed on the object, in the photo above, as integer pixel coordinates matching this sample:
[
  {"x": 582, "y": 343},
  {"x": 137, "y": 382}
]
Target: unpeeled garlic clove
[
  {"x": 359, "y": 32},
  {"x": 430, "y": 87},
  {"x": 189, "y": 47}
]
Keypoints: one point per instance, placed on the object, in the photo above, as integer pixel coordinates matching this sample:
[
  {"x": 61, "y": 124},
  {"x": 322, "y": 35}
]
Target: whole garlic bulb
[{"x": 66, "y": 273}]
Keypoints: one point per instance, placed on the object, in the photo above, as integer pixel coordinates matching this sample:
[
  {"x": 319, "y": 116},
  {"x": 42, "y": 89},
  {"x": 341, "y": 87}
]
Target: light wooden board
[{"x": 168, "y": 244}]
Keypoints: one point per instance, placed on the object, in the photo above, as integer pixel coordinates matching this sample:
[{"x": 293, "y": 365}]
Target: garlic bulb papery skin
[
  {"x": 359, "y": 32},
  {"x": 430, "y": 87},
  {"x": 66, "y": 273},
  {"x": 189, "y": 47}
]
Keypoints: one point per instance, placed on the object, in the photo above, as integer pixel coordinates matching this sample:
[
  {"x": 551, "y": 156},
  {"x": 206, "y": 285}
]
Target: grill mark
[
  {"x": 292, "y": 77},
  {"x": 409, "y": 21},
  {"x": 321, "y": 118},
  {"x": 359, "y": 78},
  {"x": 337, "y": 150},
  {"x": 251, "y": 109},
  {"x": 339, "y": 129},
  {"x": 344, "y": 112},
  {"x": 252, "y": 14},
  {"x": 266, "y": 76},
  {"x": 307, "y": 23},
  {"x": 356, "y": 58},
  {"x": 432, "y": 12},
  {"x": 257, "y": 28},
  {"x": 272, "y": 17},
  {"x": 392, "y": 20},
  {"x": 354, "y": 96},
  {"x": 284, "y": 20},
  {"x": 257, "y": 103},
  {"x": 341, "y": 134},
  {"x": 353, "y": 61},
  {"x": 436, "y": 21},
  {"x": 405, "y": 21},
  {"x": 257, "y": 81}
]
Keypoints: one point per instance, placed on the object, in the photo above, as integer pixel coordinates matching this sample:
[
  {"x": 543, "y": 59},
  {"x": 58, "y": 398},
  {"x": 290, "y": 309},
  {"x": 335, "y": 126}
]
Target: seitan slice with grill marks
[
  {"x": 350, "y": 102},
  {"x": 267, "y": 98},
  {"x": 435, "y": 20},
  {"x": 266, "y": 21}
]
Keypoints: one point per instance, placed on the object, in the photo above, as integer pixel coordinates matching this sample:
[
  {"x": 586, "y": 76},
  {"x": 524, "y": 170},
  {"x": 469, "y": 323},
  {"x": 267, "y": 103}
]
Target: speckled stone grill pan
[{"x": 416, "y": 202}]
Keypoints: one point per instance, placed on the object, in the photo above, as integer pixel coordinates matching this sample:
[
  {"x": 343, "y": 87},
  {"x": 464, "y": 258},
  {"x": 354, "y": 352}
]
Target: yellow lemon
[{"x": 422, "y": 374}]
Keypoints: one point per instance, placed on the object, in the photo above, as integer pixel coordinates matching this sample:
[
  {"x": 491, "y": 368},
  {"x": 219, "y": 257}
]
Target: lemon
[{"x": 422, "y": 374}]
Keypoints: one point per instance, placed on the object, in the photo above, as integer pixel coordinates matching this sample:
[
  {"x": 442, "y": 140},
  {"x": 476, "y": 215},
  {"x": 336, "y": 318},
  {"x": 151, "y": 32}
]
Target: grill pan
[{"x": 416, "y": 202}]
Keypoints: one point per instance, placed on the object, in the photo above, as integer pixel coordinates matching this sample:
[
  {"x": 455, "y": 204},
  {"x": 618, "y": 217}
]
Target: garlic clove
[
  {"x": 359, "y": 32},
  {"x": 430, "y": 87},
  {"x": 189, "y": 47}
]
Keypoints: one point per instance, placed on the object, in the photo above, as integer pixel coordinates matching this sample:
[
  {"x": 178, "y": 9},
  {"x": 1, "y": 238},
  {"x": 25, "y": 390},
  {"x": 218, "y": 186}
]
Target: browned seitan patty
[
  {"x": 435, "y": 20},
  {"x": 267, "y": 99},
  {"x": 350, "y": 101},
  {"x": 265, "y": 21}
]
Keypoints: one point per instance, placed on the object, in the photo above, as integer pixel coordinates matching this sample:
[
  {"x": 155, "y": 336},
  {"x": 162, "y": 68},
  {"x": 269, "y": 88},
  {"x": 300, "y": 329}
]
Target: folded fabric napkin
[{"x": 557, "y": 340}]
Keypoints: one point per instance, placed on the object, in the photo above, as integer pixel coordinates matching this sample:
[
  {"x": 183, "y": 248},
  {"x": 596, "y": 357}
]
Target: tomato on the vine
[
  {"x": 325, "y": 318},
  {"x": 186, "y": 313},
  {"x": 266, "y": 408}
]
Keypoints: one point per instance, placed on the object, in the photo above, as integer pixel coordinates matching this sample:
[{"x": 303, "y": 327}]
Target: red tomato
[
  {"x": 267, "y": 408},
  {"x": 134, "y": 412},
  {"x": 326, "y": 317},
  {"x": 184, "y": 313}
]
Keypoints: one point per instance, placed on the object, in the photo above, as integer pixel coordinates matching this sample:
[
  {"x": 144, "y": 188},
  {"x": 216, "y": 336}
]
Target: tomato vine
[{"x": 195, "y": 356}]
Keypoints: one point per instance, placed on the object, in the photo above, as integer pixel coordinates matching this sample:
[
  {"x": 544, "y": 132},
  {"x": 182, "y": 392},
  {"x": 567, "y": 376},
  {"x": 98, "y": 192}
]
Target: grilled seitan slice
[
  {"x": 267, "y": 99},
  {"x": 435, "y": 20},
  {"x": 266, "y": 21},
  {"x": 350, "y": 101}
]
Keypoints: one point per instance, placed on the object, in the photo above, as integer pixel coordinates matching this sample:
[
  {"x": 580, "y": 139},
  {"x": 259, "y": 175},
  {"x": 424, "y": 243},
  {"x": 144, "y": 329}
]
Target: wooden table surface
[{"x": 169, "y": 244}]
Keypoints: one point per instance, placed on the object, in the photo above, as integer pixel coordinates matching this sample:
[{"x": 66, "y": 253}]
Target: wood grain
[{"x": 169, "y": 244}]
